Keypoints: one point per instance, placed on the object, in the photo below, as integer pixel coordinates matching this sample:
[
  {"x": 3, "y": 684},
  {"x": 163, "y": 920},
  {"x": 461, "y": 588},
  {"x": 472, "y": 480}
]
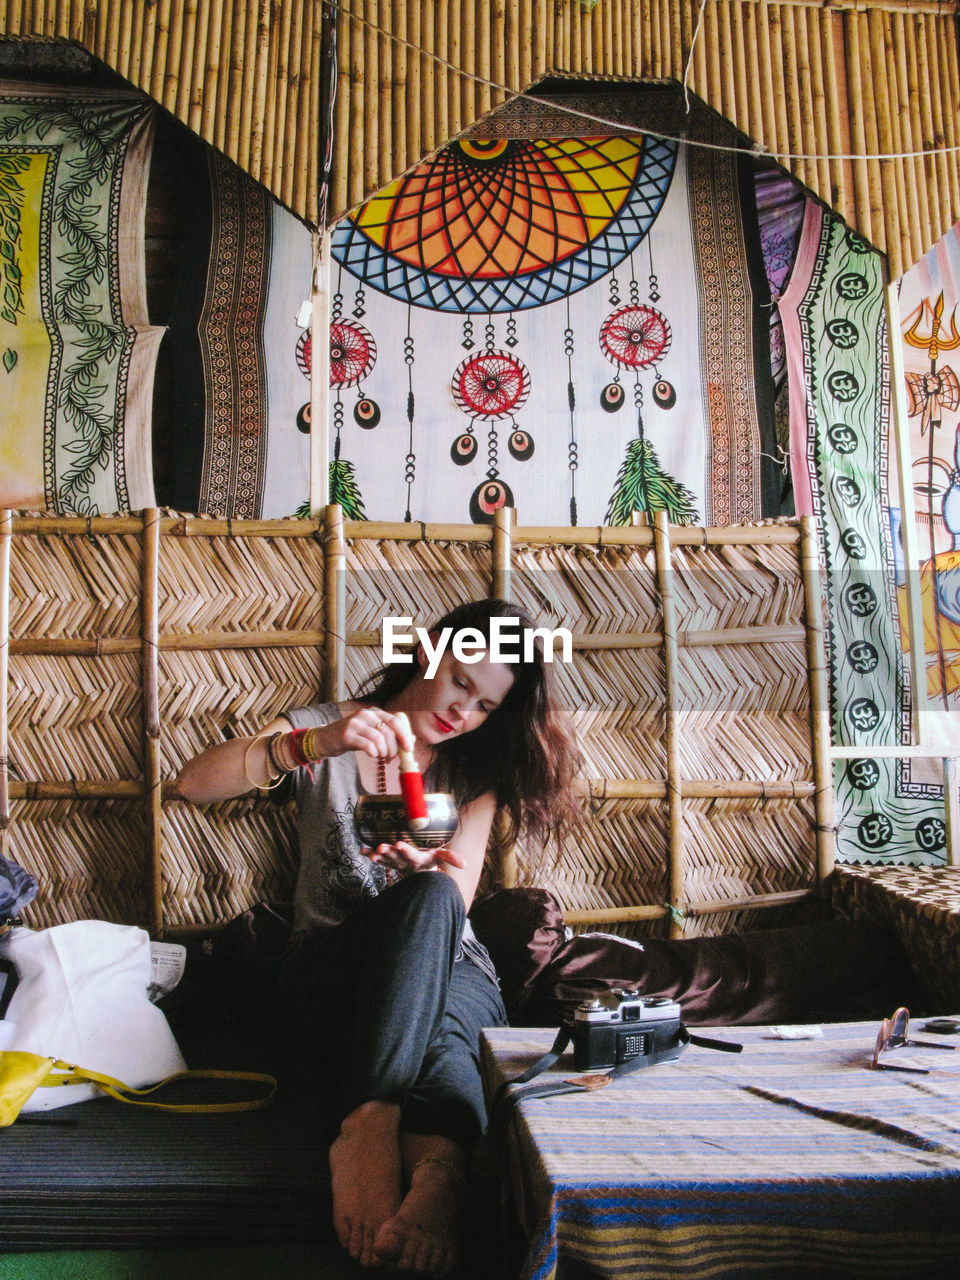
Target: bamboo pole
[
  {"x": 613, "y": 789},
  {"x": 598, "y": 790},
  {"x": 415, "y": 61},
  {"x": 796, "y": 93},
  {"x": 502, "y": 553},
  {"x": 871, "y": 105},
  {"x": 288, "y": 117},
  {"x": 887, "y": 143},
  {"x": 814, "y": 27},
  {"x": 918, "y": 74},
  {"x": 277, "y": 76},
  {"x": 906, "y": 91},
  {"x": 748, "y": 902},
  {"x": 813, "y": 107},
  {"x": 192, "y": 642},
  {"x": 699, "y": 78},
  {"x": 730, "y": 55},
  {"x": 759, "y": 634},
  {"x": 778, "y": 88},
  {"x": 211, "y": 106},
  {"x": 819, "y": 702},
  {"x": 614, "y": 915},
  {"x": 151, "y": 710},
  {"x": 334, "y": 602},
  {"x": 781, "y": 535},
  {"x": 629, "y": 915},
  {"x": 498, "y": 53},
  {"x": 855, "y": 111},
  {"x": 320, "y": 374},
  {"x": 83, "y": 789},
  {"x": 198, "y": 81},
  {"x": 455, "y": 117},
  {"x": 375, "y": 530},
  {"x": 837, "y": 136},
  {"x": 6, "y": 536},
  {"x": 949, "y": 96},
  {"x": 181, "y": 75},
  {"x": 661, "y": 531},
  {"x": 763, "y": 106},
  {"x": 259, "y": 46},
  {"x": 482, "y": 65},
  {"x": 742, "y": 79},
  {"x": 144, "y": 24},
  {"x": 369, "y": 76},
  {"x": 165, "y": 53},
  {"x": 306, "y": 172}
]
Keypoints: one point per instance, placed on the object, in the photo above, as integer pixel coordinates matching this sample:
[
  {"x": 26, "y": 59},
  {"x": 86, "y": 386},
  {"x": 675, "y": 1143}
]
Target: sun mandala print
[{"x": 495, "y": 226}]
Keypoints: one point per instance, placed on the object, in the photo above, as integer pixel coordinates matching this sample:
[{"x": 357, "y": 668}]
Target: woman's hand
[
  {"x": 404, "y": 857},
  {"x": 370, "y": 730}
]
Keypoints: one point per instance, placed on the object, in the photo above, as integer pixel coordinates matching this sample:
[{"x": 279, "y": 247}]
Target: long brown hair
[{"x": 525, "y": 751}]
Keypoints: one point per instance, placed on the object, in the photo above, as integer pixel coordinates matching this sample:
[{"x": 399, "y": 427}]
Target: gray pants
[{"x": 385, "y": 1004}]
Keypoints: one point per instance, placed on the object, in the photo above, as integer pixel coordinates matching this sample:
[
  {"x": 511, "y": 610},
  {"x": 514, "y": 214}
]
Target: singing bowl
[{"x": 383, "y": 820}]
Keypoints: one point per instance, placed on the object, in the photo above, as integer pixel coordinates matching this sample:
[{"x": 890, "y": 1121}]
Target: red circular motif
[
  {"x": 353, "y": 353},
  {"x": 491, "y": 385},
  {"x": 635, "y": 337},
  {"x": 303, "y": 353}
]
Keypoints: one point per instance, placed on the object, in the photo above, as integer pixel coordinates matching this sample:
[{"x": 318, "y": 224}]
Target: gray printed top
[{"x": 334, "y": 875}]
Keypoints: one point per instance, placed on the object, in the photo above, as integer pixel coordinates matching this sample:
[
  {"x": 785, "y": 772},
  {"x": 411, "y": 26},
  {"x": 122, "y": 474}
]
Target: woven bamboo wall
[
  {"x": 127, "y": 645},
  {"x": 803, "y": 79}
]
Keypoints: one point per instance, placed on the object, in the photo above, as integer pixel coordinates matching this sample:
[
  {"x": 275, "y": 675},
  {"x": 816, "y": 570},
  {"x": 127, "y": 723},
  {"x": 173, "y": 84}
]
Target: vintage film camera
[{"x": 619, "y": 1026}]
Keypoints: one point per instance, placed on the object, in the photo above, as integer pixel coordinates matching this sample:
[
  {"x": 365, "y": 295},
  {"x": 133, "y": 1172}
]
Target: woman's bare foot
[
  {"x": 366, "y": 1171},
  {"x": 423, "y": 1236}
]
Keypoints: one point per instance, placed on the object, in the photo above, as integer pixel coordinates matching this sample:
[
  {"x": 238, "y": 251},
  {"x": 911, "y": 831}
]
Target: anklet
[{"x": 445, "y": 1164}]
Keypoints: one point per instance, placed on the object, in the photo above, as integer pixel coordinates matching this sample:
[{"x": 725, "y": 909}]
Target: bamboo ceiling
[{"x": 803, "y": 79}]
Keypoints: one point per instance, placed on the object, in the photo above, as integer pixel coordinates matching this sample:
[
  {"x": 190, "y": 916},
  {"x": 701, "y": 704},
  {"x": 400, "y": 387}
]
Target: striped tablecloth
[{"x": 793, "y": 1158}]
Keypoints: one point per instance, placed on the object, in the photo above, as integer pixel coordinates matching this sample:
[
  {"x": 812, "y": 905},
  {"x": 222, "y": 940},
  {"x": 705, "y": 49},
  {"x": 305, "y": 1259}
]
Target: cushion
[
  {"x": 830, "y": 972},
  {"x": 523, "y": 930}
]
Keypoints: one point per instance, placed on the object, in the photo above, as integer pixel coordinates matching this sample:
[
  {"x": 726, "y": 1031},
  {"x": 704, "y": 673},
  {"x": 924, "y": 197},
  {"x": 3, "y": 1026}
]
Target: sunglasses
[{"x": 893, "y": 1034}]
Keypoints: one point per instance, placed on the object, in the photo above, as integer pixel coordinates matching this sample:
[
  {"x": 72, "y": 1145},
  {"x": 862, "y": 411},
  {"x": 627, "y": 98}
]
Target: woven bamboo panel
[
  {"x": 88, "y": 856},
  {"x": 699, "y": 767},
  {"x": 218, "y": 860}
]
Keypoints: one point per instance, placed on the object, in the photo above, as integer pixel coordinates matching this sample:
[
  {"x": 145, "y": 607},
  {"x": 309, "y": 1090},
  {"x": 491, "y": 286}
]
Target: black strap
[{"x": 514, "y": 1091}]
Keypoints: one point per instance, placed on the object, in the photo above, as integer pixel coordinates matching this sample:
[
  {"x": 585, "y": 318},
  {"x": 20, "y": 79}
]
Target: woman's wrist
[{"x": 295, "y": 749}]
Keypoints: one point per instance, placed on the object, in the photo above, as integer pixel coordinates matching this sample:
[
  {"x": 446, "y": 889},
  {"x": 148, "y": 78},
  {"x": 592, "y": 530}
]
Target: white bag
[{"x": 82, "y": 998}]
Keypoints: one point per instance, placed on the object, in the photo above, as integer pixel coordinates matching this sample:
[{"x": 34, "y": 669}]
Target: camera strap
[{"x": 512, "y": 1092}]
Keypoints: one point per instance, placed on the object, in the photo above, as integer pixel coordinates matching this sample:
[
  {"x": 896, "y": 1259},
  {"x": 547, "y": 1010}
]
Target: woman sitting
[{"x": 384, "y": 978}]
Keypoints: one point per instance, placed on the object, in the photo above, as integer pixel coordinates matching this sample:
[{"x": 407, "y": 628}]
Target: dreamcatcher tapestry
[
  {"x": 833, "y": 316},
  {"x": 76, "y": 349},
  {"x": 567, "y": 325},
  {"x": 929, "y": 295}
]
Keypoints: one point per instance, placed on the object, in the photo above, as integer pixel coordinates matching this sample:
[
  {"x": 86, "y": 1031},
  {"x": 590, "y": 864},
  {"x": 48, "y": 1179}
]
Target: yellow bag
[{"x": 22, "y": 1073}]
